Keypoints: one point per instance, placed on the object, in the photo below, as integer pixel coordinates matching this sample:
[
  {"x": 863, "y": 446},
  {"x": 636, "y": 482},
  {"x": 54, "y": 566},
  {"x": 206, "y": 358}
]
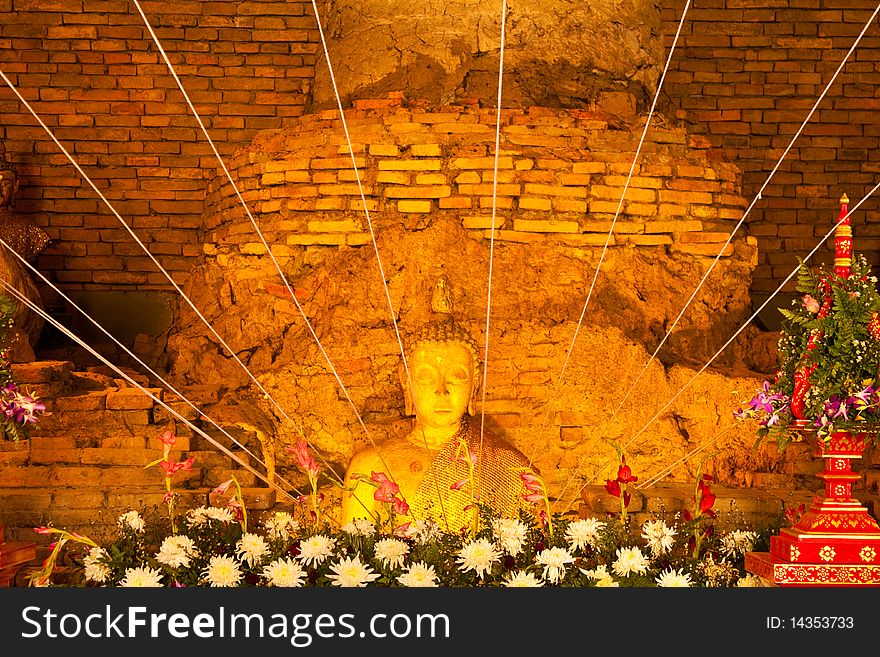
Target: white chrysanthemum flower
[
  {"x": 630, "y": 560},
  {"x": 145, "y": 577},
  {"x": 478, "y": 556},
  {"x": 673, "y": 578},
  {"x": 607, "y": 582},
  {"x": 96, "y": 569},
  {"x": 523, "y": 580},
  {"x": 659, "y": 536},
  {"x": 315, "y": 550},
  {"x": 424, "y": 531},
  {"x": 251, "y": 548},
  {"x": 281, "y": 526},
  {"x": 600, "y": 572},
  {"x": 360, "y": 527},
  {"x": 584, "y": 533},
  {"x": 738, "y": 542},
  {"x": 203, "y": 514},
  {"x": 284, "y": 572},
  {"x": 391, "y": 552},
  {"x": 131, "y": 520},
  {"x": 222, "y": 571},
  {"x": 419, "y": 575},
  {"x": 176, "y": 551},
  {"x": 350, "y": 572},
  {"x": 749, "y": 581},
  {"x": 510, "y": 535},
  {"x": 554, "y": 560}
]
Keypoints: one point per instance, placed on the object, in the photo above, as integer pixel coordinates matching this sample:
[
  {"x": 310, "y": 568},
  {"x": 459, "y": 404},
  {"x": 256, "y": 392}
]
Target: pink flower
[
  {"x": 168, "y": 437},
  {"x": 530, "y": 481},
  {"x": 304, "y": 459},
  {"x": 811, "y": 304},
  {"x": 172, "y": 468},
  {"x": 533, "y": 498},
  {"x": 402, "y": 531},
  {"x": 42, "y": 529},
  {"x": 471, "y": 455},
  {"x": 399, "y": 506},
  {"x": 458, "y": 485},
  {"x": 387, "y": 489},
  {"x": 222, "y": 488}
]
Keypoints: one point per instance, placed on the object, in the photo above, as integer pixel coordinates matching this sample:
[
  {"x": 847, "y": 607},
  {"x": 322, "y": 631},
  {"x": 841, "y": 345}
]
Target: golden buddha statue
[{"x": 431, "y": 463}]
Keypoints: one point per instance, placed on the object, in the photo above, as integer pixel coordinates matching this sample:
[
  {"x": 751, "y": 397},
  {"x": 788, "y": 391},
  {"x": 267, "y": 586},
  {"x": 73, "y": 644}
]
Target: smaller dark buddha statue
[
  {"x": 27, "y": 241},
  {"x": 429, "y": 462}
]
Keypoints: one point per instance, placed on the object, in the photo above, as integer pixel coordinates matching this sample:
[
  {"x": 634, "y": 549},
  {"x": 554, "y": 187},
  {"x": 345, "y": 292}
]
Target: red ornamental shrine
[{"x": 836, "y": 542}]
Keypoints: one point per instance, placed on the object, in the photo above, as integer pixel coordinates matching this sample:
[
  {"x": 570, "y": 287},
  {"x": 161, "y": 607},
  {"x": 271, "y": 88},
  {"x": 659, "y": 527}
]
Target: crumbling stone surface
[{"x": 557, "y": 54}]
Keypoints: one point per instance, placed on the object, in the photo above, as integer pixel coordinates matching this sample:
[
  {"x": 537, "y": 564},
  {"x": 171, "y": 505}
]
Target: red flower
[
  {"x": 624, "y": 474},
  {"x": 707, "y": 497},
  {"x": 874, "y": 326},
  {"x": 613, "y": 487}
]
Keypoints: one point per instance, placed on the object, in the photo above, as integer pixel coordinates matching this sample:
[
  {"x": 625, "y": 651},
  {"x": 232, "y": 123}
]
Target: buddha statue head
[{"x": 444, "y": 366}]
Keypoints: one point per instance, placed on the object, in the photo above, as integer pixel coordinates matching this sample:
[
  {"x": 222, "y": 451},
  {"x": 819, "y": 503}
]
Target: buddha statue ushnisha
[{"x": 430, "y": 464}]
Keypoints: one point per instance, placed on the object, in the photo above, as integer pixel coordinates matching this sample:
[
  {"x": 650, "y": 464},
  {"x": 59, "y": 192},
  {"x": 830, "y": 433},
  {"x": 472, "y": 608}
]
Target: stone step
[{"x": 90, "y": 477}]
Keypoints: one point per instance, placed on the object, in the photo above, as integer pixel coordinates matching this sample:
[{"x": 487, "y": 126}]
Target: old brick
[
  {"x": 410, "y": 165},
  {"x": 545, "y": 226},
  {"x": 92, "y": 401},
  {"x": 414, "y": 206},
  {"x": 417, "y": 191}
]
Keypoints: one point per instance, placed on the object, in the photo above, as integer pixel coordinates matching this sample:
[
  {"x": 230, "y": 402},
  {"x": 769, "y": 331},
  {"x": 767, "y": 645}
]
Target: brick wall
[
  {"x": 91, "y": 71},
  {"x": 745, "y": 74}
]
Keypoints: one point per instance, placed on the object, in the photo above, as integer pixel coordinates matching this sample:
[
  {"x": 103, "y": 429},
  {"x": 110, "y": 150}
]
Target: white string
[
  {"x": 147, "y": 251},
  {"x": 740, "y": 222},
  {"x": 163, "y": 270},
  {"x": 141, "y": 362},
  {"x": 608, "y": 237},
  {"x": 21, "y": 297},
  {"x": 357, "y": 176},
  {"x": 492, "y": 233},
  {"x": 735, "y": 229},
  {"x": 739, "y": 330},
  {"x": 254, "y": 224}
]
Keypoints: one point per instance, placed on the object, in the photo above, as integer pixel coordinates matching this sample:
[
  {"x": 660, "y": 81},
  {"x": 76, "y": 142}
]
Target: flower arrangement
[
  {"x": 215, "y": 546},
  {"x": 829, "y": 355},
  {"x": 18, "y": 409}
]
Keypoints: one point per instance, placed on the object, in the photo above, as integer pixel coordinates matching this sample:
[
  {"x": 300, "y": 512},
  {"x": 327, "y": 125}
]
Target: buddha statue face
[
  {"x": 7, "y": 187},
  {"x": 443, "y": 376}
]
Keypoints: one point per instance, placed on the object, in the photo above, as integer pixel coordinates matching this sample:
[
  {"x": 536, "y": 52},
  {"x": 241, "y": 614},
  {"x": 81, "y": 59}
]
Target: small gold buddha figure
[
  {"x": 442, "y": 465},
  {"x": 26, "y": 240},
  {"x": 21, "y": 234}
]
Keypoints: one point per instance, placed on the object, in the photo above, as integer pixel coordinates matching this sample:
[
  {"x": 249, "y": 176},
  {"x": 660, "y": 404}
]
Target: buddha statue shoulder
[{"x": 446, "y": 445}]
